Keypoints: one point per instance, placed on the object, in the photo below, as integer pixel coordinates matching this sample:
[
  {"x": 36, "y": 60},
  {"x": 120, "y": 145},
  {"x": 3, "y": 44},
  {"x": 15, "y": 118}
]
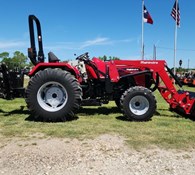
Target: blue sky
[{"x": 100, "y": 27}]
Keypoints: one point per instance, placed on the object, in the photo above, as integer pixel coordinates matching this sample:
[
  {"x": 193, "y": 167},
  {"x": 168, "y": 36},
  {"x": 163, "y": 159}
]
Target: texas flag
[{"x": 146, "y": 16}]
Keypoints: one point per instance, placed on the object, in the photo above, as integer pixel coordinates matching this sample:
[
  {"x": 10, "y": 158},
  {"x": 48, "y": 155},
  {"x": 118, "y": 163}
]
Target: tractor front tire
[
  {"x": 138, "y": 104},
  {"x": 53, "y": 95}
]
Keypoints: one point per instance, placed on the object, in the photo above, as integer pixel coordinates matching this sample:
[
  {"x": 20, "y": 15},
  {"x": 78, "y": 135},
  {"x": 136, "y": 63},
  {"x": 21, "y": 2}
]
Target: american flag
[
  {"x": 175, "y": 12},
  {"x": 147, "y": 17}
]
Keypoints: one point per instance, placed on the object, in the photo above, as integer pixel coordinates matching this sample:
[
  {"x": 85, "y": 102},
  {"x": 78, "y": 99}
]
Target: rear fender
[{"x": 64, "y": 66}]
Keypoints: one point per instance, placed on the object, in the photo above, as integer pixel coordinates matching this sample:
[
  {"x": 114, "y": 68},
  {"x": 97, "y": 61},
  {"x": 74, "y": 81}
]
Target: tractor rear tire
[
  {"x": 138, "y": 104},
  {"x": 53, "y": 95}
]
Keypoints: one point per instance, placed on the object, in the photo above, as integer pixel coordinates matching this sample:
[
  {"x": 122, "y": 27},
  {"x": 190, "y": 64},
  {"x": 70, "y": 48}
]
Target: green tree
[
  {"x": 104, "y": 58},
  {"x": 115, "y": 58},
  {"x": 19, "y": 60},
  {"x": 5, "y": 58},
  {"x": 4, "y": 55}
]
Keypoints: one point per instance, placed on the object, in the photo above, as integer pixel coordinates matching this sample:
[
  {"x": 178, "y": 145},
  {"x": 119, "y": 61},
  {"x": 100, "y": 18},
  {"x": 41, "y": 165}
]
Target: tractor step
[{"x": 91, "y": 102}]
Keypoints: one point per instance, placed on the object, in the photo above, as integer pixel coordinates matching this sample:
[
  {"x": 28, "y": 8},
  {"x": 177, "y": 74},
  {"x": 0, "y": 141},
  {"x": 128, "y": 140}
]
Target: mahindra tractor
[{"x": 56, "y": 90}]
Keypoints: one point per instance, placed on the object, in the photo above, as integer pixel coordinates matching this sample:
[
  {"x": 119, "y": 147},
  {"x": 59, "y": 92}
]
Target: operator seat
[{"x": 52, "y": 58}]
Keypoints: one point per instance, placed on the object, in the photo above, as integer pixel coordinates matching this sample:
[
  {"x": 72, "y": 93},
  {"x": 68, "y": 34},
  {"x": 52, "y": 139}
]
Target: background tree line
[
  {"x": 18, "y": 60},
  {"x": 107, "y": 58}
]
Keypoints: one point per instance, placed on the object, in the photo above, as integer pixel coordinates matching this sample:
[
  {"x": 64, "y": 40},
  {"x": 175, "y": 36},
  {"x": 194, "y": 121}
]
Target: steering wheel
[{"x": 84, "y": 57}]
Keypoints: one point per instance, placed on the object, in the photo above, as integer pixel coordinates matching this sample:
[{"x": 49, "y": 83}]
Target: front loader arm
[{"x": 178, "y": 99}]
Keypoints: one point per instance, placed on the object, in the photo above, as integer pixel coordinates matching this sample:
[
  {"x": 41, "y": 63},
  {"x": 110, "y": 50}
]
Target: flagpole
[
  {"x": 142, "y": 42},
  {"x": 175, "y": 42}
]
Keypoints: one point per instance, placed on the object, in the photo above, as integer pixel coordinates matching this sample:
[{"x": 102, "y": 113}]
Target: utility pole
[
  {"x": 154, "y": 53},
  {"x": 188, "y": 64}
]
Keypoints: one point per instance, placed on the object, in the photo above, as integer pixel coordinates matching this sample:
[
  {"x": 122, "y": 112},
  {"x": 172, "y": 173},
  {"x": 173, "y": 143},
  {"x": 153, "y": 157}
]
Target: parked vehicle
[{"x": 57, "y": 89}]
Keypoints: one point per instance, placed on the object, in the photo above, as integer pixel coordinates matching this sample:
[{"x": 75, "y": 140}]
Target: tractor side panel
[
  {"x": 140, "y": 80},
  {"x": 91, "y": 73},
  {"x": 101, "y": 66},
  {"x": 145, "y": 80},
  {"x": 113, "y": 72}
]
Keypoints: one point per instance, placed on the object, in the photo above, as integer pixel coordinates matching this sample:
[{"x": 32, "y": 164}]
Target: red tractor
[{"x": 57, "y": 89}]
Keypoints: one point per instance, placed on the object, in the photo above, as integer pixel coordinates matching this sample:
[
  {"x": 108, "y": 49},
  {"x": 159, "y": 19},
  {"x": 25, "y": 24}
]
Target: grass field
[{"x": 166, "y": 129}]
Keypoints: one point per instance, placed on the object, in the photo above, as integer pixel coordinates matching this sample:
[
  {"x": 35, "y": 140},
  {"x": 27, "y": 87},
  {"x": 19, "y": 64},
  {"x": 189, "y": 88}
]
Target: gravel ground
[{"x": 106, "y": 154}]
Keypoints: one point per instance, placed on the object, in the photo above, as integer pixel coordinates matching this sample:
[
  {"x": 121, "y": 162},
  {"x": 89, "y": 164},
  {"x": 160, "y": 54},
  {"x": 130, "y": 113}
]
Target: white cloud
[
  {"x": 99, "y": 41},
  {"x": 61, "y": 45},
  {"x": 95, "y": 42},
  {"x": 78, "y": 45},
  {"x": 12, "y": 44}
]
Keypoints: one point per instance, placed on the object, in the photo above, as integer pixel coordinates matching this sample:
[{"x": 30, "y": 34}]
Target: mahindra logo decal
[{"x": 149, "y": 62}]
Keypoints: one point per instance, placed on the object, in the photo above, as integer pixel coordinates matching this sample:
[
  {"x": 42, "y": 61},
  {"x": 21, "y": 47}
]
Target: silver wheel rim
[
  {"x": 52, "y": 96},
  {"x": 139, "y": 105}
]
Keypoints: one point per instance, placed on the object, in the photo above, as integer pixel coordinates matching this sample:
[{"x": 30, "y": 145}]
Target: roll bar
[{"x": 32, "y": 53}]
